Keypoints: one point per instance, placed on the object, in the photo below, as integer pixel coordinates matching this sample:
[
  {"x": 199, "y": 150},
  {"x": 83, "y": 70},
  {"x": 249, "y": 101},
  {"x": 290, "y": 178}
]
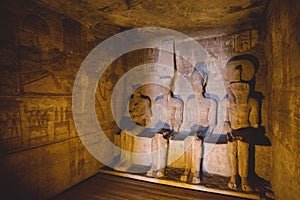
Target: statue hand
[
  {"x": 211, "y": 130},
  {"x": 226, "y": 127}
]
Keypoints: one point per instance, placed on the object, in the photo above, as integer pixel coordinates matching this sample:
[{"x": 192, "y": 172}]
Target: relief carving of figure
[
  {"x": 140, "y": 114},
  {"x": 242, "y": 118},
  {"x": 173, "y": 110},
  {"x": 205, "y": 123},
  {"x": 169, "y": 109}
]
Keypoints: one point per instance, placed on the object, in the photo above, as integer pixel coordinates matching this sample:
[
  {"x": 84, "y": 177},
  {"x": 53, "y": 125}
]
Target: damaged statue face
[{"x": 197, "y": 82}]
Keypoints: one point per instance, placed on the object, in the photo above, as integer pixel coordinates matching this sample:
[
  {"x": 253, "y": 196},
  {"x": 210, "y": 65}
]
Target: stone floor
[
  {"x": 262, "y": 189},
  {"x": 110, "y": 187}
]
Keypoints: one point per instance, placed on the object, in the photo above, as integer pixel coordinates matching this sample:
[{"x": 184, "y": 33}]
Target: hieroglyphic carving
[
  {"x": 62, "y": 123},
  {"x": 48, "y": 121},
  {"x": 10, "y": 124},
  {"x": 27, "y": 122},
  {"x": 224, "y": 47},
  {"x": 37, "y": 121},
  {"x": 8, "y": 127},
  {"x": 242, "y": 41}
]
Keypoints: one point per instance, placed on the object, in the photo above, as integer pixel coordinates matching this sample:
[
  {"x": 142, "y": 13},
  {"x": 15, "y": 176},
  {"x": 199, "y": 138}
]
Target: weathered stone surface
[
  {"x": 189, "y": 16},
  {"x": 216, "y": 159},
  {"x": 44, "y": 171},
  {"x": 282, "y": 51},
  {"x": 230, "y": 45},
  {"x": 45, "y": 42},
  {"x": 41, "y": 154}
]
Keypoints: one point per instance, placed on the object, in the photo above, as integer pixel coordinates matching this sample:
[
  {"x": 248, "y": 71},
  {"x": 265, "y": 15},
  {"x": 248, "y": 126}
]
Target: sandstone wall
[
  {"x": 282, "y": 21},
  {"x": 41, "y": 51},
  {"x": 41, "y": 154}
]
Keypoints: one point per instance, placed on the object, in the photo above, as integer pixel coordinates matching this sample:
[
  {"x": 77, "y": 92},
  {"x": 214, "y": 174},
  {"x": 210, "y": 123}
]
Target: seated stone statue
[
  {"x": 169, "y": 110},
  {"x": 154, "y": 115},
  {"x": 241, "y": 121},
  {"x": 205, "y": 122},
  {"x": 139, "y": 110}
]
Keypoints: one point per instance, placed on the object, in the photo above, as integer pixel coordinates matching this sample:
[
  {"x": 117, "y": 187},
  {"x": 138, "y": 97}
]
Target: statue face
[
  {"x": 140, "y": 109},
  {"x": 197, "y": 82},
  {"x": 240, "y": 91}
]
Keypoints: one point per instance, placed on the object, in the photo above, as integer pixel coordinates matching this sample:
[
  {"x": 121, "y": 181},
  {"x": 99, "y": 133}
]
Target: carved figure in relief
[
  {"x": 139, "y": 110},
  {"x": 8, "y": 125},
  {"x": 242, "y": 118},
  {"x": 12, "y": 125},
  {"x": 170, "y": 110},
  {"x": 106, "y": 84},
  {"x": 206, "y": 121}
]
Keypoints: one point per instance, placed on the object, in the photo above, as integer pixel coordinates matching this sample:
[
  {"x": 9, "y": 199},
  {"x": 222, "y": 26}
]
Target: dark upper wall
[{"x": 282, "y": 33}]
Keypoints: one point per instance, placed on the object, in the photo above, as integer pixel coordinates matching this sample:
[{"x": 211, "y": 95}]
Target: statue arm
[
  {"x": 178, "y": 115},
  {"x": 254, "y": 113},
  {"x": 224, "y": 115},
  {"x": 212, "y": 115}
]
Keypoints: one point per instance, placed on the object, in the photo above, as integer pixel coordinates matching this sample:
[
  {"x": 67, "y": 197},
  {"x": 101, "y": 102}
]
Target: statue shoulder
[
  {"x": 211, "y": 102},
  {"x": 224, "y": 103},
  {"x": 177, "y": 101}
]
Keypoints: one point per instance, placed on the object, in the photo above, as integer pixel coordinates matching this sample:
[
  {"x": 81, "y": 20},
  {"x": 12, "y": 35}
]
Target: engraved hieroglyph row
[{"x": 27, "y": 122}]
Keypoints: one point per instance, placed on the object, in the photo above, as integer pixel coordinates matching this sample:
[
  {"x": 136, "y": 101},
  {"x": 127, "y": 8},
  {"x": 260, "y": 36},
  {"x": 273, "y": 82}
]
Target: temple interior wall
[{"x": 42, "y": 51}]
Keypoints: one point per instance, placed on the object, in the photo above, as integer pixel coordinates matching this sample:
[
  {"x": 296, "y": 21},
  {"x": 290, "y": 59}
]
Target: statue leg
[
  {"x": 162, "y": 155},
  {"x": 243, "y": 165},
  {"x": 196, "y": 159},
  {"x": 187, "y": 157},
  {"x": 232, "y": 152},
  {"x": 123, "y": 153},
  {"x": 126, "y": 161},
  {"x": 154, "y": 163}
]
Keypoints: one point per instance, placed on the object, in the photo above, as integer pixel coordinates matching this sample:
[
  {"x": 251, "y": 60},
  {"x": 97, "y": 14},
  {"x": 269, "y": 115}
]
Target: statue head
[
  {"x": 199, "y": 78},
  {"x": 241, "y": 68},
  {"x": 139, "y": 108}
]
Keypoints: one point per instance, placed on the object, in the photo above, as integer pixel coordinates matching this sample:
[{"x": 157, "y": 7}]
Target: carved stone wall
[
  {"x": 41, "y": 154},
  {"x": 282, "y": 49},
  {"x": 41, "y": 52},
  {"x": 220, "y": 49}
]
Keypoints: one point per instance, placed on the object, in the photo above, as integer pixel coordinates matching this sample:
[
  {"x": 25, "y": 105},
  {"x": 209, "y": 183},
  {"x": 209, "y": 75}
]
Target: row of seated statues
[{"x": 176, "y": 119}]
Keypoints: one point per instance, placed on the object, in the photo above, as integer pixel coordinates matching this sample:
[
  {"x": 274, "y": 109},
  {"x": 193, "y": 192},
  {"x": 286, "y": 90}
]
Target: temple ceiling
[{"x": 108, "y": 17}]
